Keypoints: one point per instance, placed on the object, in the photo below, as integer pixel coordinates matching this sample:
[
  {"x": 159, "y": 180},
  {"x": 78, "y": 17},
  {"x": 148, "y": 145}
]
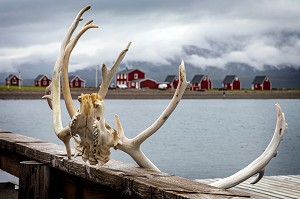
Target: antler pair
[{"x": 97, "y": 136}]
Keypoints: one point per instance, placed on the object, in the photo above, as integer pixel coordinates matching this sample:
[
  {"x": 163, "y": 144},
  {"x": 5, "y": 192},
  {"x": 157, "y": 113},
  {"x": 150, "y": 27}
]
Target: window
[
  {"x": 132, "y": 84},
  {"x": 118, "y": 76},
  {"x": 44, "y": 83},
  {"x": 136, "y": 76},
  {"x": 76, "y": 83},
  {"x": 121, "y": 76},
  {"x": 125, "y": 76}
]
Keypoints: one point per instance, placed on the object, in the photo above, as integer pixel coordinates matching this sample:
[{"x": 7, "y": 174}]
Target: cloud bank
[{"x": 256, "y": 33}]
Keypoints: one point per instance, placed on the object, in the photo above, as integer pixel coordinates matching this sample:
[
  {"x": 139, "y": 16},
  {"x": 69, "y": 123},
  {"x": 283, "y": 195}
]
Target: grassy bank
[
  {"x": 31, "y": 92},
  {"x": 22, "y": 88}
]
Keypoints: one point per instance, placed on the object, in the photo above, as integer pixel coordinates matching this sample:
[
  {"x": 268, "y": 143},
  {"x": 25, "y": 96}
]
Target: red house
[
  {"x": 231, "y": 82},
  {"x": 129, "y": 77},
  {"x": 171, "y": 81},
  {"x": 76, "y": 82},
  {"x": 42, "y": 80},
  {"x": 13, "y": 80},
  {"x": 200, "y": 82},
  {"x": 261, "y": 83},
  {"x": 143, "y": 83}
]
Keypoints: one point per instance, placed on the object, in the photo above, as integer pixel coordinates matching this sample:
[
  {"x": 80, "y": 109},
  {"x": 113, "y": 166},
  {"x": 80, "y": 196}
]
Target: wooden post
[{"x": 33, "y": 180}]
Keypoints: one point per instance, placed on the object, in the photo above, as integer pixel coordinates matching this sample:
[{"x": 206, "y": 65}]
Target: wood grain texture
[
  {"x": 114, "y": 180},
  {"x": 270, "y": 187}
]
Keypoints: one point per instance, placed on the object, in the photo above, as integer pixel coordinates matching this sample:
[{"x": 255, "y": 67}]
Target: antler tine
[
  {"x": 258, "y": 165},
  {"x": 48, "y": 96},
  {"x": 65, "y": 79},
  {"x": 169, "y": 109},
  {"x": 62, "y": 133},
  {"x": 132, "y": 146},
  {"x": 107, "y": 75}
]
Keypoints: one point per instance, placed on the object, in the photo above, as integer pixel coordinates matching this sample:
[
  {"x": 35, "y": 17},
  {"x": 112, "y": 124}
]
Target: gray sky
[{"x": 252, "y": 32}]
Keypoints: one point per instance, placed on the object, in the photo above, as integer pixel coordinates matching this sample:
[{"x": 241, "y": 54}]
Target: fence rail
[{"x": 45, "y": 172}]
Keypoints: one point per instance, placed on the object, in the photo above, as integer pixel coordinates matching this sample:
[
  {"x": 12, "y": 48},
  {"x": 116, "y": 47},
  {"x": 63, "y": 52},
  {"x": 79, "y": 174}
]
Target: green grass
[
  {"x": 36, "y": 88},
  {"x": 22, "y": 88}
]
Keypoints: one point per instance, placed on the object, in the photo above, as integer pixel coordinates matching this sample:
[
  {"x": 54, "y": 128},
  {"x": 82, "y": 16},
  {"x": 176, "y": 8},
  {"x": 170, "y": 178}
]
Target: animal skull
[{"x": 97, "y": 136}]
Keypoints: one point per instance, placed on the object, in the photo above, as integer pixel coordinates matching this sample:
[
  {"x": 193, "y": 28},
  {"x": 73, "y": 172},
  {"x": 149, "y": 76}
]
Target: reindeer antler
[
  {"x": 65, "y": 79},
  {"x": 97, "y": 136},
  {"x": 107, "y": 75},
  {"x": 132, "y": 146},
  {"x": 53, "y": 91},
  {"x": 258, "y": 165}
]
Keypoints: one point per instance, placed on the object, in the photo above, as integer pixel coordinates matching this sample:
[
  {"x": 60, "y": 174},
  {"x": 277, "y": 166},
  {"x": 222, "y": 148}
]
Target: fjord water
[{"x": 201, "y": 139}]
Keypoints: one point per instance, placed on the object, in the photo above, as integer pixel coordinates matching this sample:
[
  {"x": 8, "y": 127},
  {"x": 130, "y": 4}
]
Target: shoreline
[{"x": 159, "y": 94}]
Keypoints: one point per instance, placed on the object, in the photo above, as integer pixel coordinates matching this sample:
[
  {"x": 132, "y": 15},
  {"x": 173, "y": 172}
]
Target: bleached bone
[
  {"x": 65, "y": 79},
  {"x": 107, "y": 75},
  {"x": 258, "y": 166},
  {"x": 97, "y": 136},
  {"x": 53, "y": 92},
  {"x": 133, "y": 146}
]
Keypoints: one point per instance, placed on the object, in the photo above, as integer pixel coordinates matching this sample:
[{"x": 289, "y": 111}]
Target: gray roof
[
  {"x": 228, "y": 79},
  {"x": 170, "y": 78},
  {"x": 40, "y": 77},
  {"x": 197, "y": 79},
  {"x": 259, "y": 79},
  {"x": 11, "y": 75},
  {"x": 72, "y": 77}
]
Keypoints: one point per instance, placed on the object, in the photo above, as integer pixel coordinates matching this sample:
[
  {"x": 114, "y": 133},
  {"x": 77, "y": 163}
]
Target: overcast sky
[{"x": 252, "y": 32}]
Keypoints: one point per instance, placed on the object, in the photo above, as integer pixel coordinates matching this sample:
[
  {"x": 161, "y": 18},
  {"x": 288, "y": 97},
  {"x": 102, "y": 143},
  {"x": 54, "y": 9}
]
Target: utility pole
[
  {"x": 19, "y": 79},
  {"x": 97, "y": 76},
  {"x": 8, "y": 81}
]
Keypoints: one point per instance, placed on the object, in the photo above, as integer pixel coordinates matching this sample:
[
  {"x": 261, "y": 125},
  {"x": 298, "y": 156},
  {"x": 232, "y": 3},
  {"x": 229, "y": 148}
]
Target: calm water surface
[{"x": 201, "y": 139}]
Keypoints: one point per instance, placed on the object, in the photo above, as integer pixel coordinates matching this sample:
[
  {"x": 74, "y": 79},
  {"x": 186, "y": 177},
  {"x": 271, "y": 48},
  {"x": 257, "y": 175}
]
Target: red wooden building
[
  {"x": 13, "y": 80},
  {"x": 231, "y": 82},
  {"x": 130, "y": 77},
  {"x": 76, "y": 82},
  {"x": 261, "y": 83},
  {"x": 201, "y": 82},
  {"x": 171, "y": 81},
  {"x": 42, "y": 80},
  {"x": 144, "y": 83}
]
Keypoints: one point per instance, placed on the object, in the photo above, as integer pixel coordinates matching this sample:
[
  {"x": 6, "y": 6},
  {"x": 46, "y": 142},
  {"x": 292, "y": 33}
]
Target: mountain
[{"x": 282, "y": 77}]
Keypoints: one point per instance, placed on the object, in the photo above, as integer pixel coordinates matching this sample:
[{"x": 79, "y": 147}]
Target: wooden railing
[{"x": 45, "y": 172}]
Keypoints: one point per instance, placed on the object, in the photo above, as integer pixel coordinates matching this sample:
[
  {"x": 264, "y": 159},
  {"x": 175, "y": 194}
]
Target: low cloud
[{"x": 256, "y": 33}]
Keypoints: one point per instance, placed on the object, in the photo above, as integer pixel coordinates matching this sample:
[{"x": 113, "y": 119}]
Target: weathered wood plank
[
  {"x": 281, "y": 187},
  {"x": 114, "y": 177}
]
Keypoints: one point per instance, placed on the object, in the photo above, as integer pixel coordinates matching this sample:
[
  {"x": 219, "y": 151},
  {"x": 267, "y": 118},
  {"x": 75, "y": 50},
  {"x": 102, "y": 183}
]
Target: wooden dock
[
  {"x": 44, "y": 171},
  {"x": 273, "y": 187}
]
